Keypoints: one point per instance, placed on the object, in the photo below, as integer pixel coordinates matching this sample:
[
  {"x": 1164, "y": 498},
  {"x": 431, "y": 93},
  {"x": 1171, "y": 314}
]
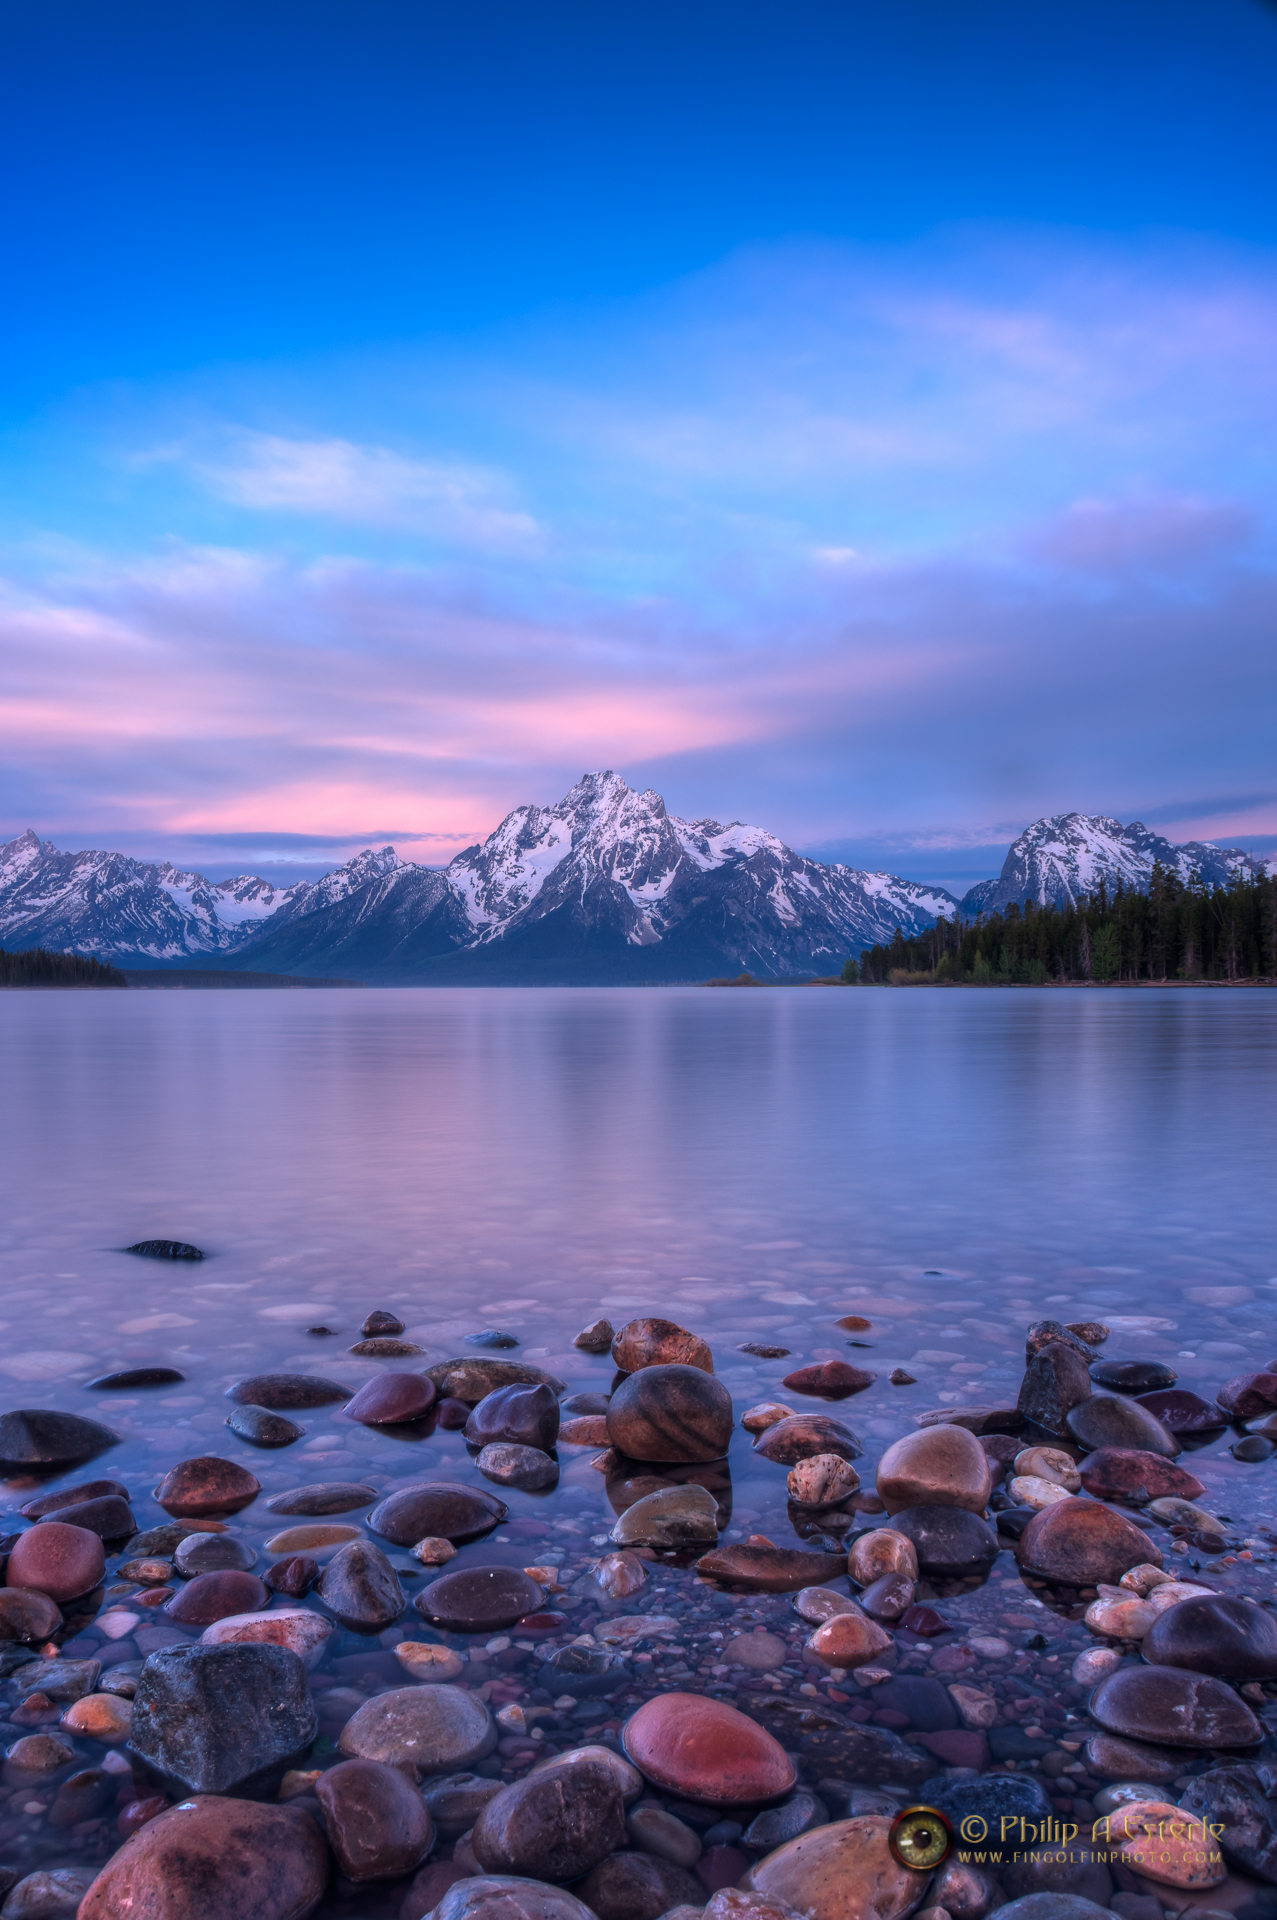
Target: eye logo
[{"x": 920, "y": 1838}]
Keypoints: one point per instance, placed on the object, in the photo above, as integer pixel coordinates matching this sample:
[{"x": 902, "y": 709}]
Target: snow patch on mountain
[{"x": 1062, "y": 857}]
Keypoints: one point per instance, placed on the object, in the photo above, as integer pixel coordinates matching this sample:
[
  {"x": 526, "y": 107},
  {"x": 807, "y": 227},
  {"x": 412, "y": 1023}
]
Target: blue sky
[{"x": 854, "y": 418}]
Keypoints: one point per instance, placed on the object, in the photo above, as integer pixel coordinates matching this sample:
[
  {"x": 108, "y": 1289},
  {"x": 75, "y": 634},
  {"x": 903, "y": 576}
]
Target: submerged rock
[
  {"x": 596, "y": 1338},
  {"x": 323, "y": 1498},
  {"x": 1055, "y": 1381},
  {"x": 1133, "y": 1376},
  {"x": 473, "y": 1376},
  {"x": 261, "y": 1428},
  {"x": 834, "y": 1380},
  {"x": 214, "y": 1858},
  {"x": 1183, "y": 1412},
  {"x": 58, "y": 1560},
  {"x": 38, "y": 1437},
  {"x": 761, "y": 1567},
  {"x": 684, "y": 1516},
  {"x": 134, "y": 1377},
  {"x": 285, "y": 1391},
  {"x": 479, "y": 1599},
  {"x": 1119, "y": 1473},
  {"x": 439, "y": 1509},
  {"x": 844, "y": 1871},
  {"x": 1169, "y": 1706},
  {"x": 206, "y": 1485},
  {"x": 381, "y": 1322},
  {"x": 949, "y": 1541},
  {"x": 522, "y": 1416},
  {"x": 392, "y": 1400},
  {"x": 361, "y": 1588},
  {"x": 377, "y": 1823},
  {"x": 706, "y": 1751},
  {"x": 527, "y": 1468}
]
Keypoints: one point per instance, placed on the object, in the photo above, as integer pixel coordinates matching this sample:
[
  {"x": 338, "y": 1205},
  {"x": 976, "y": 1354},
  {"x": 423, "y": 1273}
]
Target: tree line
[
  {"x": 37, "y": 967},
  {"x": 1174, "y": 930}
]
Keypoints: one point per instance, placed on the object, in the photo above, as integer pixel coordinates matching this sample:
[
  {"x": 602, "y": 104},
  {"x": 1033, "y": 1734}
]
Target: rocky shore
[{"x": 534, "y": 1666}]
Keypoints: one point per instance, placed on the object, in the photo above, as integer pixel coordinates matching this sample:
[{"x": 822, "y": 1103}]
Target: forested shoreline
[
  {"x": 1176, "y": 931},
  {"x": 37, "y": 967}
]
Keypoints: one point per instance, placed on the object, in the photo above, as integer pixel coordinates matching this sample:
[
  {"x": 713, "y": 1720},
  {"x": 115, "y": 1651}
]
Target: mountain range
[{"x": 604, "y": 888}]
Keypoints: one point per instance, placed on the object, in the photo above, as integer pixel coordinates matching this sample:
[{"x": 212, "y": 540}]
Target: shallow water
[{"x": 751, "y": 1164}]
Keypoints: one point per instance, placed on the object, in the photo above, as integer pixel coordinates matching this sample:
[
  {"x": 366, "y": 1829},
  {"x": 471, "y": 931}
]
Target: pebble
[
  {"x": 832, "y": 1380},
  {"x": 110, "y": 1517},
  {"x": 1170, "y": 1706},
  {"x": 38, "y": 1753},
  {"x": 1049, "y": 1463},
  {"x": 621, "y": 1574},
  {"x": 262, "y": 1428},
  {"x": 1219, "y": 1634},
  {"x": 1165, "y": 1845},
  {"x": 823, "y": 1480},
  {"x": 287, "y": 1391},
  {"x": 439, "y": 1508},
  {"x": 936, "y": 1467},
  {"x": 590, "y": 1430},
  {"x": 1256, "y": 1447},
  {"x": 215, "y": 1596},
  {"x": 212, "y": 1553},
  {"x": 764, "y": 1415},
  {"x": 758, "y": 1652},
  {"x": 361, "y": 1587},
  {"x": 879, "y": 1551},
  {"x": 1248, "y": 1394},
  {"x": 707, "y": 1751},
  {"x": 772, "y": 1828},
  {"x": 429, "y": 1663},
  {"x": 229, "y": 1719},
  {"x": 653, "y": 1830},
  {"x": 99, "y": 1716},
  {"x": 382, "y": 1347},
  {"x": 324, "y": 1497},
  {"x": 554, "y": 1825},
  {"x": 479, "y": 1599},
  {"x": 72, "y": 1497},
  {"x": 849, "y": 1639},
  {"x": 27, "y": 1615},
  {"x": 1028, "y": 1490},
  {"x": 376, "y": 1821},
  {"x": 1118, "y": 1473},
  {"x": 1107, "y": 1420},
  {"x": 683, "y": 1516},
  {"x": 215, "y": 1859},
  {"x": 596, "y": 1338},
  {"x": 526, "y": 1468},
  {"x": 1080, "y": 1543},
  {"x": 304, "y": 1633},
  {"x": 38, "y": 1437},
  {"x": 788, "y": 1441},
  {"x": 671, "y": 1413},
  {"x": 439, "y": 1729},
  {"x": 821, "y": 1603},
  {"x": 634, "y": 1886},
  {"x": 392, "y": 1400},
  {"x": 294, "y": 1576},
  {"x": 434, "y": 1552},
  {"x": 950, "y": 1541},
  {"x": 58, "y": 1560},
  {"x": 888, "y": 1597},
  {"x": 333, "y": 1533},
  {"x": 758, "y": 1566},
  {"x": 1176, "y": 1512},
  {"x": 1126, "y": 1619},
  {"x": 843, "y": 1871},
  {"x": 49, "y": 1894},
  {"x": 381, "y": 1321},
  {"x": 207, "y": 1485},
  {"x": 659, "y": 1343},
  {"x": 1114, "y": 1758}
]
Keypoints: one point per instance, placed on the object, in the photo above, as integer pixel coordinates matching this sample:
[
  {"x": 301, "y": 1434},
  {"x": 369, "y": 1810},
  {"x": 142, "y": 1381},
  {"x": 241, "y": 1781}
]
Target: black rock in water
[
  {"x": 323, "y": 1498},
  {"x": 361, "y": 1587},
  {"x": 491, "y": 1338},
  {"x": 165, "y": 1250},
  {"x": 226, "y": 1720},
  {"x": 584, "y": 1670},
  {"x": 1232, "y": 1797},
  {"x": 261, "y": 1428},
  {"x": 1133, "y": 1376},
  {"x": 1105, "y": 1420},
  {"x": 38, "y": 1437},
  {"x": 292, "y": 1390},
  {"x": 135, "y": 1377},
  {"x": 379, "y": 1322},
  {"x": 948, "y": 1541},
  {"x": 523, "y": 1416},
  {"x": 107, "y": 1515}
]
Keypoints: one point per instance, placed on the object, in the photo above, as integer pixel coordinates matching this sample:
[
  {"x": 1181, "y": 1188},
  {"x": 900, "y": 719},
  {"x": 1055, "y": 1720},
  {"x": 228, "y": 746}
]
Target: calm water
[{"x": 752, "y": 1164}]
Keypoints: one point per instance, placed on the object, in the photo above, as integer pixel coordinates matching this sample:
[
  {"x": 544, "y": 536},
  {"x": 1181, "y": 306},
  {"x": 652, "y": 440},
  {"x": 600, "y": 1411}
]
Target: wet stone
[
  {"x": 671, "y": 1413},
  {"x": 982, "y": 1421},
  {"x": 707, "y": 1751},
  {"x": 286, "y": 1392},
  {"x": 434, "y": 1729},
  {"x": 380, "y": 1321},
  {"x": 212, "y": 1596},
  {"x": 849, "y": 1639},
  {"x": 1081, "y": 1543},
  {"x": 456, "y": 1801},
  {"x": 479, "y": 1599},
  {"x": 451, "y": 1415},
  {"x": 38, "y": 1437},
  {"x": 834, "y": 1380},
  {"x": 765, "y": 1568},
  {"x": 438, "y": 1508},
  {"x": 1169, "y": 1706},
  {"x": 584, "y": 1671},
  {"x": 222, "y": 1719},
  {"x": 361, "y": 1588},
  {"x": 1113, "y": 1758},
  {"x": 949, "y": 1541},
  {"x": 802, "y": 1435},
  {"x": 48, "y": 1894},
  {"x": 324, "y": 1497},
  {"x": 471, "y": 1377},
  {"x": 596, "y": 1338},
  {"x": 889, "y": 1597},
  {"x": 492, "y": 1338},
  {"x": 652, "y": 1830},
  {"x": 801, "y": 1812},
  {"x": 524, "y": 1416},
  {"x": 304, "y": 1633},
  {"x": 526, "y": 1468},
  {"x": 935, "y": 1467},
  {"x": 555, "y": 1825},
  {"x": 762, "y": 1351},
  {"x": 109, "y": 1516},
  {"x": 1107, "y": 1420},
  {"x": 58, "y": 1560},
  {"x": 1232, "y": 1797},
  {"x": 206, "y": 1485},
  {"x": 620, "y": 1574},
  {"x": 313, "y": 1538},
  {"x": 1133, "y": 1376},
  {"x": 135, "y": 1377},
  {"x": 589, "y": 1430},
  {"x": 377, "y": 1823},
  {"x": 384, "y": 1348},
  {"x": 85, "y": 1491},
  {"x": 215, "y": 1858},
  {"x": 1055, "y": 1381},
  {"x": 1248, "y": 1394},
  {"x": 1255, "y": 1448},
  {"x": 672, "y": 1517},
  {"x": 659, "y": 1343},
  {"x": 392, "y": 1400},
  {"x": 1183, "y": 1412},
  {"x": 822, "y": 1481},
  {"x": 882, "y": 1550},
  {"x": 213, "y": 1553},
  {"x": 1047, "y": 1333},
  {"x": 430, "y": 1664},
  {"x": 27, "y": 1616},
  {"x": 294, "y": 1576},
  {"x": 637, "y": 1886},
  {"x": 1117, "y": 1473},
  {"x": 1219, "y": 1634},
  {"x": 844, "y": 1871},
  {"x": 59, "y": 1679},
  {"x": 262, "y": 1428}
]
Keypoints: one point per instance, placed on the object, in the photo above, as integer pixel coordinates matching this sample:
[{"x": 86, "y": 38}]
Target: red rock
[
  {"x": 706, "y": 1751},
  {"x": 924, "y": 1621},
  {"x": 1080, "y": 1543},
  {"x": 212, "y": 1858},
  {"x": 834, "y": 1381},
  {"x": 392, "y": 1399},
  {"x": 206, "y": 1485},
  {"x": 1113, "y": 1473},
  {"x": 588, "y": 1431},
  {"x": 60, "y": 1561},
  {"x": 215, "y": 1596},
  {"x": 659, "y": 1343},
  {"x": 1247, "y": 1394}
]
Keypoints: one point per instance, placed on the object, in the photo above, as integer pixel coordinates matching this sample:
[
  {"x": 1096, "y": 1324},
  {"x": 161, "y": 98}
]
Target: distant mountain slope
[{"x": 1069, "y": 854}]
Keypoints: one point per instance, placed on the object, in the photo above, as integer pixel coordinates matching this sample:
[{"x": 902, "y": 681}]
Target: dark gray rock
[
  {"x": 1055, "y": 1381},
  {"x": 479, "y": 1599},
  {"x": 775, "y": 1825},
  {"x": 456, "y": 1801},
  {"x": 325, "y": 1497},
  {"x": 361, "y": 1588},
  {"x": 212, "y": 1553},
  {"x": 525, "y": 1416},
  {"x": 584, "y": 1671},
  {"x": 991, "y": 1798},
  {"x": 135, "y": 1377},
  {"x": 223, "y": 1720},
  {"x": 492, "y": 1339},
  {"x": 833, "y": 1749},
  {"x": 165, "y": 1250},
  {"x": 288, "y": 1390},
  {"x": 1106, "y": 1420},
  {"x": 948, "y": 1541},
  {"x": 554, "y": 1825},
  {"x": 436, "y": 1509},
  {"x": 526, "y": 1468},
  {"x": 1171, "y": 1707},
  {"x": 380, "y": 1322},
  {"x": 436, "y": 1729},
  {"x": 1218, "y": 1633},
  {"x": 1183, "y": 1412},
  {"x": 39, "y": 1437},
  {"x": 1133, "y": 1376},
  {"x": 261, "y": 1428},
  {"x": 110, "y": 1517},
  {"x": 1233, "y": 1797}
]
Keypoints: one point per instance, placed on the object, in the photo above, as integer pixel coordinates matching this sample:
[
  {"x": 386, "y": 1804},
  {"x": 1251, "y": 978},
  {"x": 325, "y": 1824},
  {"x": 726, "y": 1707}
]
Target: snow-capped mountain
[
  {"x": 135, "y": 911},
  {"x": 1069, "y": 854}
]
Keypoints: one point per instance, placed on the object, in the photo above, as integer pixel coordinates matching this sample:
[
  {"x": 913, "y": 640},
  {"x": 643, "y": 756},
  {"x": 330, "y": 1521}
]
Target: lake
[{"x": 755, "y": 1165}]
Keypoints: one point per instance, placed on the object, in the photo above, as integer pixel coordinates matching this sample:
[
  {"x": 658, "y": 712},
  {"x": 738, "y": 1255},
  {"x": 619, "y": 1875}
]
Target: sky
[{"x": 855, "y": 417}]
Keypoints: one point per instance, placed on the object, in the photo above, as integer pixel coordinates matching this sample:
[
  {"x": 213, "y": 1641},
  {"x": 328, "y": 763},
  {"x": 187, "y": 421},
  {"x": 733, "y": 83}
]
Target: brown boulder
[
  {"x": 659, "y": 1343},
  {"x": 704, "y": 1750},
  {"x": 58, "y": 1560},
  {"x": 844, "y": 1871},
  {"x": 555, "y": 1825},
  {"x": 786, "y": 1442},
  {"x": 214, "y": 1859},
  {"x": 881, "y": 1551},
  {"x": 392, "y": 1399},
  {"x": 1079, "y": 1543},
  {"x": 835, "y": 1380},
  {"x": 378, "y": 1825},
  {"x": 759, "y": 1567},
  {"x": 206, "y": 1485},
  {"x": 1115, "y": 1473},
  {"x": 936, "y": 1467},
  {"x": 670, "y": 1413}
]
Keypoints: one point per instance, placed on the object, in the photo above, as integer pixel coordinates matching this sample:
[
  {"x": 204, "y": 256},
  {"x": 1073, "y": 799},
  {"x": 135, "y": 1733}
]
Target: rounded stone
[
  {"x": 72, "y": 1497},
  {"x": 212, "y": 1553},
  {"x": 1248, "y": 1394},
  {"x": 849, "y": 1639},
  {"x": 685, "y": 1516},
  {"x": 1169, "y": 1706},
  {"x": 361, "y": 1588},
  {"x": 822, "y": 1481},
  {"x": 504, "y": 1897},
  {"x": 439, "y": 1508},
  {"x": 757, "y": 1566},
  {"x": 262, "y": 1428},
  {"x": 100, "y": 1716},
  {"x": 786, "y": 1442},
  {"x": 377, "y": 1823},
  {"x": 670, "y": 1413},
  {"x": 843, "y": 1871},
  {"x": 1180, "y": 1411},
  {"x": 1133, "y": 1376},
  {"x": 1106, "y": 1420},
  {"x": 206, "y": 1485},
  {"x": 325, "y": 1497},
  {"x": 936, "y": 1467},
  {"x": 628, "y": 1778},
  {"x": 588, "y": 1430},
  {"x": 39, "y": 1437},
  {"x": 659, "y": 1343},
  {"x": 523, "y": 1416},
  {"x": 706, "y": 1751},
  {"x": 38, "y": 1753},
  {"x": 526, "y": 1468},
  {"x": 392, "y": 1399},
  {"x": 304, "y": 1633},
  {"x": 294, "y": 1576},
  {"x": 1156, "y": 1839},
  {"x": 638, "y": 1886},
  {"x": 889, "y": 1597},
  {"x": 654, "y": 1831},
  {"x": 479, "y": 1599},
  {"x": 27, "y": 1615},
  {"x": 213, "y": 1858},
  {"x": 434, "y": 1729},
  {"x": 1118, "y": 1473},
  {"x": 1028, "y": 1490},
  {"x": 1111, "y": 1758},
  {"x": 831, "y": 1380},
  {"x": 881, "y": 1551},
  {"x": 57, "y": 1560},
  {"x": 950, "y": 1541},
  {"x": 131, "y": 1377},
  {"x": 384, "y": 1347},
  {"x": 287, "y": 1391},
  {"x": 554, "y": 1825},
  {"x": 471, "y": 1376},
  {"x": 107, "y": 1515},
  {"x": 430, "y": 1664},
  {"x": 758, "y": 1652},
  {"x": 332, "y": 1533},
  {"x": 1221, "y": 1634},
  {"x": 215, "y": 1596},
  {"x": 1081, "y": 1543}
]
